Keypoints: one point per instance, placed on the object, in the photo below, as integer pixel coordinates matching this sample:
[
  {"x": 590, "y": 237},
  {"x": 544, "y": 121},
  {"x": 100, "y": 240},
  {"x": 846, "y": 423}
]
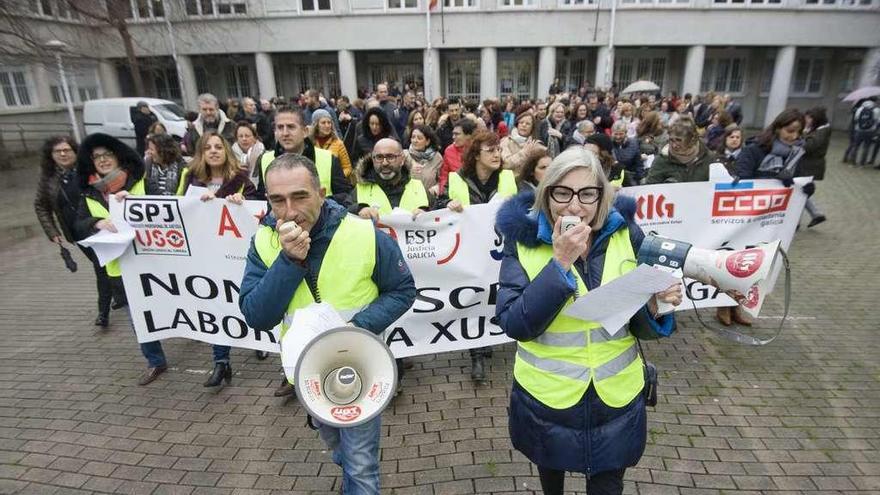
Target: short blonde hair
[{"x": 570, "y": 159}]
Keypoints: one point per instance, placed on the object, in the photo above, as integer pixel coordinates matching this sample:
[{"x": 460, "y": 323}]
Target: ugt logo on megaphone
[{"x": 745, "y": 263}]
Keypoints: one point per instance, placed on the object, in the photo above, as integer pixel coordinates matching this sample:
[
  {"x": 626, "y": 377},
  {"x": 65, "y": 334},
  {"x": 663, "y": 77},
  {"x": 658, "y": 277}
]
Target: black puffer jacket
[{"x": 85, "y": 167}]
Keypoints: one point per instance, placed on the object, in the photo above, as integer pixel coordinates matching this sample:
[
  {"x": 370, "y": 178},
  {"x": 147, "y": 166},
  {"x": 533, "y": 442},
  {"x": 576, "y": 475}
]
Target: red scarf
[{"x": 111, "y": 183}]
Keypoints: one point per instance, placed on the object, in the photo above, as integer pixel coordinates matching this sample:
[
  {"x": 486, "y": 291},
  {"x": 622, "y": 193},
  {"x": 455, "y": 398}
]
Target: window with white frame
[
  {"x": 215, "y": 7},
  {"x": 145, "y": 9},
  {"x": 850, "y": 77},
  {"x": 58, "y": 9},
  {"x": 315, "y": 5},
  {"x": 808, "y": 76},
  {"x": 838, "y": 3},
  {"x": 747, "y": 2},
  {"x": 201, "y": 80},
  {"x": 767, "y": 75},
  {"x": 16, "y": 87},
  {"x": 631, "y": 69},
  {"x": 515, "y": 78},
  {"x": 571, "y": 72},
  {"x": 167, "y": 84},
  {"x": 654, "y": 2},
  {"x": 452, "y": 4},
  {"x": 402, "y": 4},
  {"x": 238, "y": 83},
  {"x": 575, "y": 3},
  {"x": 82, "y": 83},
  {"x": 517, "y": 3},
  {"x": 723, "y": 75},
  {"x": 463, "y": 79},
  {"x": 321, "y": 77}
]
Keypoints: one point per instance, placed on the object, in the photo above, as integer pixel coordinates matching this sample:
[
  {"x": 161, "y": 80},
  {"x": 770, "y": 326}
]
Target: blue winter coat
[
  {"x": 266, "y": 291},
  {"x": 589, "y": 437}
]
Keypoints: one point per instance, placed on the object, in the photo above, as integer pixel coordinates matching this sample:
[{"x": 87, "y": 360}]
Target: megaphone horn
[
  {"x": 744, "y": 271},
  {"x": 345, "y": 377}
]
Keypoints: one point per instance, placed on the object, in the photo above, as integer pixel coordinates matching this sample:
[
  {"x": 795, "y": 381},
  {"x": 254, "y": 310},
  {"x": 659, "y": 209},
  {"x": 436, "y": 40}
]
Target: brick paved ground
[{"x": 802, "y": 415}]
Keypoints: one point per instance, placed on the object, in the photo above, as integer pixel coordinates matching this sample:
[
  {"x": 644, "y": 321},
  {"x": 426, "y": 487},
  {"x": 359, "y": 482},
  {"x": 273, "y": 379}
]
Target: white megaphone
[
  {"x": 345, "y": 376},
  {"x": 746, "y": 271}
]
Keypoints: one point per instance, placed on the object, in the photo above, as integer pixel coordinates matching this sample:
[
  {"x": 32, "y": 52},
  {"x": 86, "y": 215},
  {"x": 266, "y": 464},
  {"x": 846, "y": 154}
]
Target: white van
[{"x": 113, "y": 116}]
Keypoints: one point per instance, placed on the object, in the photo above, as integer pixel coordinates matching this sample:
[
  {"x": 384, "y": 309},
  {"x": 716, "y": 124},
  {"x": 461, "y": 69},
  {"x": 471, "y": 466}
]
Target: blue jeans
[
  {"x": 156, "y": 356},
  {"x": 356, "y": 449}
]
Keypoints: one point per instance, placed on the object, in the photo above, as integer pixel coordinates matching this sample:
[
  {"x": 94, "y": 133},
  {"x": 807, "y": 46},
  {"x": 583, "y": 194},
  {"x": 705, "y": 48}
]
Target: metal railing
[{"x": 28, "y": 137}]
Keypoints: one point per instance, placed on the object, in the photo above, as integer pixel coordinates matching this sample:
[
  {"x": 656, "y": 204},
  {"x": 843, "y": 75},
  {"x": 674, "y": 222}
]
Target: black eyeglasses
[{"x": 586, "y": 195}]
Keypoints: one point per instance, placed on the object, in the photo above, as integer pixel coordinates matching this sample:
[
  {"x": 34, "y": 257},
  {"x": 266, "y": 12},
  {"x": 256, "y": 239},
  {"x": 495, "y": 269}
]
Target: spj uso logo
[{"x": 158, "y": 227}]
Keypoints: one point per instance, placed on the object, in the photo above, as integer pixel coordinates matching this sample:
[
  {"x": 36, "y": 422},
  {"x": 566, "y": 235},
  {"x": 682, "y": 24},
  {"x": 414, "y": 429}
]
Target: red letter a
[{"x": 226, "y": 223}]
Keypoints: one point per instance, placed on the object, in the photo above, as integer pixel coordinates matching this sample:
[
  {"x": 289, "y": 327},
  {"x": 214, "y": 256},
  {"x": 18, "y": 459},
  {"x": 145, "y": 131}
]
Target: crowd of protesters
[{"x": 392, "y": 149}]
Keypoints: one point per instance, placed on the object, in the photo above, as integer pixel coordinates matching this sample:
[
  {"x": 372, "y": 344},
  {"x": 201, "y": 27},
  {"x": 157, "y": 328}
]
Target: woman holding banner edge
[
  {"x": 577, "y": 401},
  {"x": 216, "y": 168}
]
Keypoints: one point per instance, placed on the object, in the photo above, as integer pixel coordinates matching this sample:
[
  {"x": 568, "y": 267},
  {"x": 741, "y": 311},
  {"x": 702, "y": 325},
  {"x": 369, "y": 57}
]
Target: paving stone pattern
[{"x": 800, "y": 415}]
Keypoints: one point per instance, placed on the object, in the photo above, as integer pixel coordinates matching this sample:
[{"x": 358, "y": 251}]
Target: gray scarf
[{"x": 782, "y": 160}]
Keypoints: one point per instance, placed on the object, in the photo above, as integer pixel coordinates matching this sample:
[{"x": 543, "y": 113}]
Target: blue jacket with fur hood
[{"x": 589, "y": 437}]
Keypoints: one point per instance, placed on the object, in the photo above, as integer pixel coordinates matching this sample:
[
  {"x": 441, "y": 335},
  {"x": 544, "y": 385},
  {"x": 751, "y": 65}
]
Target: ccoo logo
[
  {"x": 650, "y": 207},
  {"x": 346, "y": 413}
]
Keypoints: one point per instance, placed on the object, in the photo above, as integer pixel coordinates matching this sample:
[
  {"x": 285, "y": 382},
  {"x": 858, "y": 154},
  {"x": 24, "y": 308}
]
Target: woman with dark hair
[
  {"x": 108, "y": 170},
  {"x": 532, "y": 172},
  {"x": 248, "y": 148},
  {"x": 493, "y": 118},
  {"x": 423, "y": 156},
  {"x": 730, "y": 148},
  {"x": 716, "y": 129},
  {"x": 479, "y": 180},
  {"x": 374, "y": 126},
  {"x": 165, "y": 165},
  {"x": 416, "y": 118},
  {"x": 581, "y": 112},
  {"x": 56, "y": 203},
  {"x": 776, "y": 152},
  {"x": 817, "y": 137}
]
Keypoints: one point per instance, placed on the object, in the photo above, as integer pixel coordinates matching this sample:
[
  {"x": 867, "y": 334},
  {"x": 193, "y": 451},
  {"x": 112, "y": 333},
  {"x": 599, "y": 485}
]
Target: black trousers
[
  {"x": 106, "y": 290},
  {"x": 607, "y": 483}
]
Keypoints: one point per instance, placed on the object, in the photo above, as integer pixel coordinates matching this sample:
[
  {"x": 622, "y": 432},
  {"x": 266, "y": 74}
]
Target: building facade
[{"x": 767, "y": 54}]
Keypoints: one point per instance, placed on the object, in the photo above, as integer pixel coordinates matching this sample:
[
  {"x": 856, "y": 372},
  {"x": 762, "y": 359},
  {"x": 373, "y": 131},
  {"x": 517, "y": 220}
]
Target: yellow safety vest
[
  {"x": 345, "y": 277},
  {"x": 458, "y": 188},
  {"x": 97, "y": 210},
  {"x": 323, "y": 162},
  {"x": 618, "y": 181},
  {"x": 558, "y": 366},
  {"x": 414, "y": 196}
]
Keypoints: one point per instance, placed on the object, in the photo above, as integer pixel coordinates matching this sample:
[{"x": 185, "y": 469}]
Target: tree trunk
[{"x": 134, "y": 65}]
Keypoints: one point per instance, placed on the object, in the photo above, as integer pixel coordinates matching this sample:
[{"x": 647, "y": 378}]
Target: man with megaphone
[{"x": 309, "y": 249}]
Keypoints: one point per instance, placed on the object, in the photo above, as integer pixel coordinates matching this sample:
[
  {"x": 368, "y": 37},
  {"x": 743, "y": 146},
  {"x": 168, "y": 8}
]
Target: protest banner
[{"x": 183, "y": 271}]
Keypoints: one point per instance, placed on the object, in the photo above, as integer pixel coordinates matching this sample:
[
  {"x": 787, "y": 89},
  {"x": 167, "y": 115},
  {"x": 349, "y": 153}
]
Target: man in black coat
[{"x": 143, "y": 119}]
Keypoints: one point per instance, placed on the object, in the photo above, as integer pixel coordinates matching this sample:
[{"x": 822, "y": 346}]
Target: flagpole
[{"x": 429, "y": 82}]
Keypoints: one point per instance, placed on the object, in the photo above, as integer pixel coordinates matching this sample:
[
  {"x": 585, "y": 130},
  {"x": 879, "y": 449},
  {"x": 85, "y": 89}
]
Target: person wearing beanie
[{"x": 323, "y": 135}]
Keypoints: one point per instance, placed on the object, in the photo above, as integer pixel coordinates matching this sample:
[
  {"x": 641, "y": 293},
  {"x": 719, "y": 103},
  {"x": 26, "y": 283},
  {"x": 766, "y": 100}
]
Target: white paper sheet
[
  {"x": 110, "y": 245},
  {"x": 306, "y": 324},
  {"x": 614, "y": 303},
  {"x": 196, "y": 191}
]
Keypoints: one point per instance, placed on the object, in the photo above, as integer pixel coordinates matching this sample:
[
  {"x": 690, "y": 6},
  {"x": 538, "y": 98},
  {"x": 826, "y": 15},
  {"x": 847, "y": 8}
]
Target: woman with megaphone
[{"x": 578, "y": 401}]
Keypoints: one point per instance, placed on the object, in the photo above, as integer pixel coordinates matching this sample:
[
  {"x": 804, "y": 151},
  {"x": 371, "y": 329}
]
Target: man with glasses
[
  {"x": 384, "y": 184},
  {"x": 627, "y": 154}
]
